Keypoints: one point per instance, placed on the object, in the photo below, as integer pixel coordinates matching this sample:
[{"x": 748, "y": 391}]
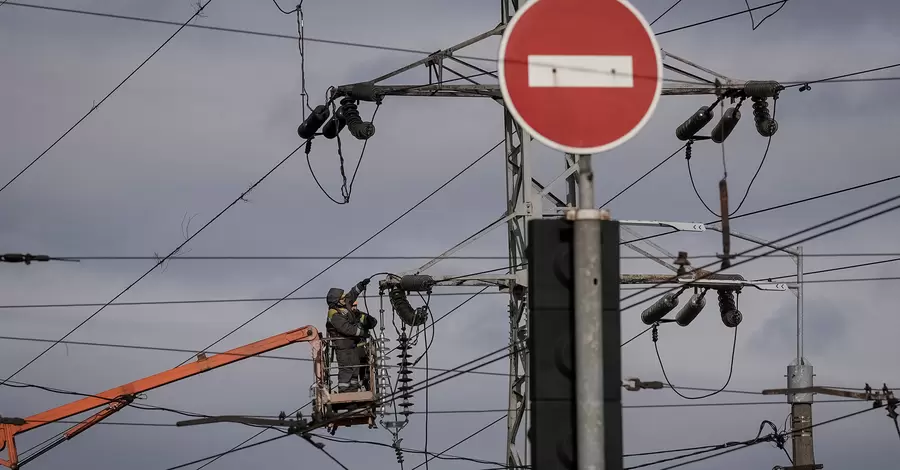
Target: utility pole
[
  {"x": 799, "y": 371},
  {"x": 589, "y": 416},
  {"x": 525, "y": 195}
]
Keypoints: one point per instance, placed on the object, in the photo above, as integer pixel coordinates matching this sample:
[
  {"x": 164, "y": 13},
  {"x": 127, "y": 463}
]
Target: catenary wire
[
  {"x": 364, "y": 242},
  {"x": 378, "y": 402},
  {"x": 666, "y": 12},
  {"x": 463, "y": 440},
  {"x": 812, "y": 237},
  {"x": 346, "y": 43},
  {"x": 663, "y": 162},
  {"x": 181, "y": 26},
  {"x": 782, "y": 206},
  {"x": 270, "y": 299},
  {"x": 161, "y": 261},
  {"x": 412, "y": 451},
  {"x": 408, "y": 257},
  {"x": 184, "y": 350},
  {"x": 741, "y": 445},
  {"x": 838, "y": 268},
  {"x": 753, "y": 24},
  {"x": 392, "y": 393}
]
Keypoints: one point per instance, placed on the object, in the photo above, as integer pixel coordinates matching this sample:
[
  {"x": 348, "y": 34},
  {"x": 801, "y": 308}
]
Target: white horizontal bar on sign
[{"x": 580, "y": 71}]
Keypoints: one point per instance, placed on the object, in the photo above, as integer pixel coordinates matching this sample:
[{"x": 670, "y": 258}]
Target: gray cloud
[{"x": 214, "y": 111}]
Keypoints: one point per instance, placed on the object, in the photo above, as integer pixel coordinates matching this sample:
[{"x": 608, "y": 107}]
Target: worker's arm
[
  {"x": 367, "y": 321},
  {"x": 341, "y": 322},
  {"x": 353, "y": 294}
]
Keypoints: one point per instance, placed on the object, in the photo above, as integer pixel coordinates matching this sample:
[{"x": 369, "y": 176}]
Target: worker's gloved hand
[
  {"x": 361, "y": 285},
  {"x": 370, "y": 322}
]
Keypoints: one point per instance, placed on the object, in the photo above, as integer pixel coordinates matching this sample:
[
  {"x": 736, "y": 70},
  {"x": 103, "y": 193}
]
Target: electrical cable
[
  {"x": 754, "y": 24},
  {"x": 161, "y": 261},
  {"x": 94, "y": 107},
  {"x": 674, "y": 389},
  {"x": 719, "y": 18},
  {"x": 406, "y": 257},
  {"x": 344, "y": 43},
  {"x": 758, "y": 440},
  {"x": 847, "y": 75},
  {"x": 367, "y": 240},
  {"x": 238, "y": 447},
  {"x": 378, "y": 402},
  {"x": 470, "y": 436},
  {"x": 282, "y": 10},
  {"x": 411, "y": 451},
  {"x": 780, "y": 206},
  {"x": 645, "y": 174},
  {"x": 838, "y": 268},
  {"x": 209, "y": 301},
  {"x": 762, "y": 161},
  {"x": 666, "y": 12},
  {"x": 812, "y": 237}
]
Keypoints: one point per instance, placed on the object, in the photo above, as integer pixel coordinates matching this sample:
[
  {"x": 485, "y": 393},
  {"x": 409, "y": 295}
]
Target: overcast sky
[{"x": 213, "y": 111}]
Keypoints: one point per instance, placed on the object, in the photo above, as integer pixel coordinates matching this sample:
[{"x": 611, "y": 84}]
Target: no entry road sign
[{"x": 582, "y": 76}]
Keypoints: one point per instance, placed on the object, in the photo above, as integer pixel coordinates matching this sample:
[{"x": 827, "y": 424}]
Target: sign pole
[{"x": 588, "y": 325}]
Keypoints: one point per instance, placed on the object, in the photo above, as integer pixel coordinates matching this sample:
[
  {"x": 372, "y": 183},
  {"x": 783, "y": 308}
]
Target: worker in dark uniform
[
  {"x": 344, "y": 331},
  {"x": 368, "y": 323}
]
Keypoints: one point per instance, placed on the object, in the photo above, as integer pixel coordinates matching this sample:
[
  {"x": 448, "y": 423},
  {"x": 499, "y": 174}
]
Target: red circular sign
[{"x": 582, "y": 76}]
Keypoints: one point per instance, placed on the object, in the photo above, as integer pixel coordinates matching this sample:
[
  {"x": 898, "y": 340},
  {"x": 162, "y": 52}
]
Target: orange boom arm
[{"x": 117, "y": 398}]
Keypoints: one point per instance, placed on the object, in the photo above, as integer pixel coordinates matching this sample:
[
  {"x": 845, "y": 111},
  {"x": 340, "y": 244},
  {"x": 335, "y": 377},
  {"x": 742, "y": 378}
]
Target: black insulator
[
  {"x": 313, "y": 122},
  {"x": 725, "y": 125},
  {"x": 335, "y": 125},
  {"x": 416, "y": 283},
  {"x": 693, "y": 124},
  {"x": 762, "y": 88},
  {"x": 765, "y": 125},
  {"x": 659, "y": 309},
  {"x": 358, "y": 128},
  {"x": 691, "y": 309},
  {"x": 363, "y": 92},
  {"x": 405, "y": 311},
  {"x": 731, "y": 316}
]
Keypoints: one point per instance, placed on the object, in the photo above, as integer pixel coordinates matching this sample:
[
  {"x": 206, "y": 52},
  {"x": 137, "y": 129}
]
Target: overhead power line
[
  {"x": 181, "y": 26},
  {"x": 190, "y": 351},
  {"x": 792, "y": 235},
  {"x": 781, "y": 206},
  {"x": 400, "y": 257},
  {"x": 161, "y": 261},
  {"x": 295, "y": 37},
  {"x": 364, "y": 242}
]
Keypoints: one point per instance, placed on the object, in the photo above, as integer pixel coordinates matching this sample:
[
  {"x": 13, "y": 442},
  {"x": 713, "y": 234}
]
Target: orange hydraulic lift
[{"x": 117, "y": 398}]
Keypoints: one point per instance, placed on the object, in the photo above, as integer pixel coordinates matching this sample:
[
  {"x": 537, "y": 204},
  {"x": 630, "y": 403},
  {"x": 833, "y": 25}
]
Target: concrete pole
[
  {"x": 588, "y": 325},
  {"x": 800, "y": 375}
]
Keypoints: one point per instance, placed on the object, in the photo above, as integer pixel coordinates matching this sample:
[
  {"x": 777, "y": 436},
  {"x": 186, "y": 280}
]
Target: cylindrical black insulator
[
  {"x": 691, "y": 309},
  {"x": 659, "y": 309},
  {"x": 313, "y": 122},
  {"x": 416, "y": 283},
  {"x": 762, "y": 88},
  {"x": 693, "y": 124},
  {"x": 335, "y": 125},
  {"x": 363, "y": 92},
  {"x": 725, "y": 125}
]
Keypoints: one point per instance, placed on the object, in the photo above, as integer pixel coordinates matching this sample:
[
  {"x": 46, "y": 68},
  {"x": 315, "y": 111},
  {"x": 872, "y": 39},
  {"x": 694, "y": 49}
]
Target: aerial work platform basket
[{"x": 347, "y": 408}]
